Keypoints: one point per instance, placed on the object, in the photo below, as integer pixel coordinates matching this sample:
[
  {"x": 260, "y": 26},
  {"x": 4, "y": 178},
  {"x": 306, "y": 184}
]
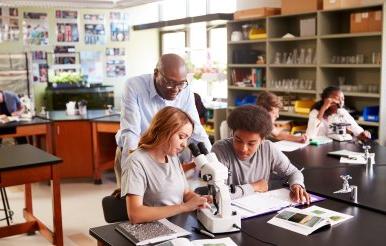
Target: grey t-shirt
[
  {"x": 266, "y": 160},
  {"x": 160, "y": 184}
]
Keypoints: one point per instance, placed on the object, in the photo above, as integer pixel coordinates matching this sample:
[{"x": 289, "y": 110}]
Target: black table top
[
  {"x": 114, "y": 118},
  {"x": 316, "y": 156},
  {"x": 33, "y": 121},
  {"x": 24, "y": 155},
  {"x": 365, "y": 228},
  {"x": 371, "y": 185},
  {"x": 61, "y": 115}
]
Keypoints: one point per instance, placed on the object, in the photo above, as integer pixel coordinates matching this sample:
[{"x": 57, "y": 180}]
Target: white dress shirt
[{"x": 318, "y": 127}]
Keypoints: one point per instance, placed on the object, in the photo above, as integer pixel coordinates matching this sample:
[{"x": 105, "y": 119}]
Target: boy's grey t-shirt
[
  {"x": 266, "y": 160},
  {"x": 160, "y": 184}
]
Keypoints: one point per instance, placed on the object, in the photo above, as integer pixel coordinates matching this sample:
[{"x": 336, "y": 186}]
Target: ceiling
[{"x": 77, "y": 3}]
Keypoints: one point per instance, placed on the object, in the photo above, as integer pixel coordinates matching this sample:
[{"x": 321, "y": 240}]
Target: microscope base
[
  {"x": 217, "y": 224},
  {"x": 340, "y": 137}
]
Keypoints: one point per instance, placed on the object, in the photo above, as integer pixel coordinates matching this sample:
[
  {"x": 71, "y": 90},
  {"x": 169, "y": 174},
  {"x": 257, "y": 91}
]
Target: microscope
[
  {"x": 215, "y": 174},
  {"x": 339, "y": 128}
]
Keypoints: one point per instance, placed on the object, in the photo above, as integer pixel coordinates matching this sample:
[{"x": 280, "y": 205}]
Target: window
[
  {"x": 173, "y": 42},
  {"x": 173, "y": 9}
]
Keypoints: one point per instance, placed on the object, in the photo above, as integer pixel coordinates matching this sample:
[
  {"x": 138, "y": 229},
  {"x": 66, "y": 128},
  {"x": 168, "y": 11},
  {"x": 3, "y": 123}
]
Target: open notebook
[
  {"x": 151, "y": 232},
  {"x": 266, "y": 202}
]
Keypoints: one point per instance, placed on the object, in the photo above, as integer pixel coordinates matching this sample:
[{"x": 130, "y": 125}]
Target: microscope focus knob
[
  {"x": 233, "y": 188},
  {"x": 207, "y": 177}
]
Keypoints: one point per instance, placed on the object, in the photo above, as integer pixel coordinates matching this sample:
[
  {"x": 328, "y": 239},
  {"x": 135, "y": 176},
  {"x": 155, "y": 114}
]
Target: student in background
[
  {"x": 327, "y": 110},
  {"x": 153, "y": 181},
  {"x": 272, "y": 104},
  {"x": 10, "y": 105},
  {"x": 251, "y": 158}
]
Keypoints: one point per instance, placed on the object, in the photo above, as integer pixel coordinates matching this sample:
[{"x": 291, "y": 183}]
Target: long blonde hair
[{"x": 163, "y": 126}]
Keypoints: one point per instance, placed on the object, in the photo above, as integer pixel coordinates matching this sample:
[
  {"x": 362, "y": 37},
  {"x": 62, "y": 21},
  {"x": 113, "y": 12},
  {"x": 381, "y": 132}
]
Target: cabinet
[
  {"x": 14, "y": 73},
  {"x": 73, "y": 144},
  {"x": 326, "y": 52},
  {"x": 213, "y": 121}
]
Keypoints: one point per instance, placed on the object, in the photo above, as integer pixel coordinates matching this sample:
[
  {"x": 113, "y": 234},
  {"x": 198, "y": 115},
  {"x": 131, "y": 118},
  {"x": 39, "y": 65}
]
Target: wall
[
  {"x": 142, "y": 49},
  {"x": 248, "y": 4}
]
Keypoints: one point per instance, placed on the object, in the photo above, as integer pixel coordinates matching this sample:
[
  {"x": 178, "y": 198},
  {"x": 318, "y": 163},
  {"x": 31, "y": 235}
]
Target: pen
[
  {"x": 301, "y": 170},
  {"x": 196, "y": 229}
]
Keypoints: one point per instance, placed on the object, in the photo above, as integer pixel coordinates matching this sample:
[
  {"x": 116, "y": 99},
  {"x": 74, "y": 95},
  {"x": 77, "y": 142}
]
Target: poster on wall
[
  {"x": 115, "y": 62},
  {"x": 35, "y": 26},
  {"x": 67, "y": 26},
  {"x": 39, "y": 66},
  {"x": 9, "y": 24},
  {"x": 92, "y": 66},
  {"x": 94, "y": 29},
  {"x": 119, "y": 26}
]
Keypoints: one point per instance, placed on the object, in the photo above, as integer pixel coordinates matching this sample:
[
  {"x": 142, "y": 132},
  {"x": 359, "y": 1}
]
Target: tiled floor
[{"x": 81, "y": 210}]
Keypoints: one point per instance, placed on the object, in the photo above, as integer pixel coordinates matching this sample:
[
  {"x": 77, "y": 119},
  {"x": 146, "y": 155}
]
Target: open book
[
  {"x": 203, "y": 242},
  {"x": 266, "y": 202},
  {"x": 289, "y": 146},
  {"x": 152, "y": 232},
  {"x": 306, "y": 221},
  {"x": 351, "y": 157}
]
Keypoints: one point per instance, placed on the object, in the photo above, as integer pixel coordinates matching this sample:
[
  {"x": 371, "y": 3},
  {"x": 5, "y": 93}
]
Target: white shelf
[
  {"x": 367, "y": 123},
  {"x": 65, "y": 66},
  {"x": 291, "y": 90},
  {"x": 292, "y": 65},
  {"x": 352, "y": 35},
  {"x": 360, "y": 94},
  {"x": 247, "y": 65},
  {"x": 291, "y": 39},
  {"x": 293, "y": 114},
  {"x": 239, "y": 88},
  {"x": 350, "y": 66},
  {"x": 263, "y": 40}
]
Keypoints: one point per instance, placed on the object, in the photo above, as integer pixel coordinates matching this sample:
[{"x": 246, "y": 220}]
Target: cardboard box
[
  {"x": 307, "y": 27},
  {"x": 375, "y": 21},
  {"x": 300, "y": 6},
  {"x": 336, "y": 4},
  {"x": 359, "y": 22},
  {"x": 255, "y": 13}
]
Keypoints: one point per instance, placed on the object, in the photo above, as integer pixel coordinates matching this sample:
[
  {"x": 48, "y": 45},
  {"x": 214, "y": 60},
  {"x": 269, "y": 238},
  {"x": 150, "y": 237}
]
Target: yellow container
[{"x": 303, "y": 106}]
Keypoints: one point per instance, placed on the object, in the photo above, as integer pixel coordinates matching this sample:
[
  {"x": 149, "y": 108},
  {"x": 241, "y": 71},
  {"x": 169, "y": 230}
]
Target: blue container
[
  {"x": 247, "y": 100},
  {"x": 371, "y": 113}
]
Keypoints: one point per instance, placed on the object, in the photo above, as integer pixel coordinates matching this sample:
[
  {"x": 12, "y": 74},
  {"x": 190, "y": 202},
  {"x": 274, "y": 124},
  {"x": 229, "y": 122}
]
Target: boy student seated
[
  {"x": 251, "y": 158},
  {"x": 329, "y": 110},
  {"x": 272, "y": 104},
  {"x": 152, "y": 179}
]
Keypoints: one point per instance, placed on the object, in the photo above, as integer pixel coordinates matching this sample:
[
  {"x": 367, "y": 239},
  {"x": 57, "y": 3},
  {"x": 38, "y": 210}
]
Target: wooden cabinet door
[{"x": 73, "y": 143}]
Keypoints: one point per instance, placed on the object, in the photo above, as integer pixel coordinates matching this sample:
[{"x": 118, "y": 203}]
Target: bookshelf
[{"x": 338, "y": 57}]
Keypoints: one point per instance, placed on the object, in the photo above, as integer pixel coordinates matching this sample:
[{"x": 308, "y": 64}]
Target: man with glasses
[{"x": 144, "y": 96}]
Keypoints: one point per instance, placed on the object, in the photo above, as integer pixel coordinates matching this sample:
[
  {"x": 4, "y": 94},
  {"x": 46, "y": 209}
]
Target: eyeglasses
[{"x": 171, "y": 84}]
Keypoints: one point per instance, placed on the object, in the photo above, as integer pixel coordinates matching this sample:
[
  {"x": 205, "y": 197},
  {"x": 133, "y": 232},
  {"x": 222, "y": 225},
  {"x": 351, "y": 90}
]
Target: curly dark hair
[{"x": 251, "y": 118}]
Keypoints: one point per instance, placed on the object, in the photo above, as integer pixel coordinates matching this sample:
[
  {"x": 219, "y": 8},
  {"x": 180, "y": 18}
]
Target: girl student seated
[
  {"x": 327, "y": 111},
  {"x": 153, "y": 181},
  {"x": 273, "y": 104}
]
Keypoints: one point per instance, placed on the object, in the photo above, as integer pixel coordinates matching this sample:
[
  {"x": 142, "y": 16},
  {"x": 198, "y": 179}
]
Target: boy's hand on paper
[
  {"x": 260, "y": 186},
  {"x": 298, "y": 194}
]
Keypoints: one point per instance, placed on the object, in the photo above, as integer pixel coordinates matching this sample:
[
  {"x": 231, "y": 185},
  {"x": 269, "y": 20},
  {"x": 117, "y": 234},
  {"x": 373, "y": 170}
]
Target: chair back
[{"x": 114, "y": 209}]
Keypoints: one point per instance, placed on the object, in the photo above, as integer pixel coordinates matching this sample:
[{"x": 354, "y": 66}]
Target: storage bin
[
  {"x": 371, "y": 113},
  {"x": 303, "y": 106},
  {"x": 247, "y": 100}
]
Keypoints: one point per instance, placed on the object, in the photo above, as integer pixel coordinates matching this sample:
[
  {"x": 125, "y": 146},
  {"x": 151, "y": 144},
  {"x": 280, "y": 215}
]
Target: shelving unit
[
  {"x": 213, "y": 121},
  {"x": 360, "y": 80},
  {"x": 14, "y": 73}
]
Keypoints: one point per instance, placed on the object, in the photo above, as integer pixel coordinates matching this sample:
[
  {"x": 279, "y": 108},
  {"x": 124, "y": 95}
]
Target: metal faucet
[{"x": 347, "y": 188}]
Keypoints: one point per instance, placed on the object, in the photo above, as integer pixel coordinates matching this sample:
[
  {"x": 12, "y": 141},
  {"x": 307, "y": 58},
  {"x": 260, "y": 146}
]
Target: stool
[{"x": 7, "y": 210}]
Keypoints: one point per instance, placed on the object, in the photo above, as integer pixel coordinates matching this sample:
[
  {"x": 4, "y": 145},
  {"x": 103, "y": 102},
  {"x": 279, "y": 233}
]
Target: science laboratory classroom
[{"x": 192, "y": 122}]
